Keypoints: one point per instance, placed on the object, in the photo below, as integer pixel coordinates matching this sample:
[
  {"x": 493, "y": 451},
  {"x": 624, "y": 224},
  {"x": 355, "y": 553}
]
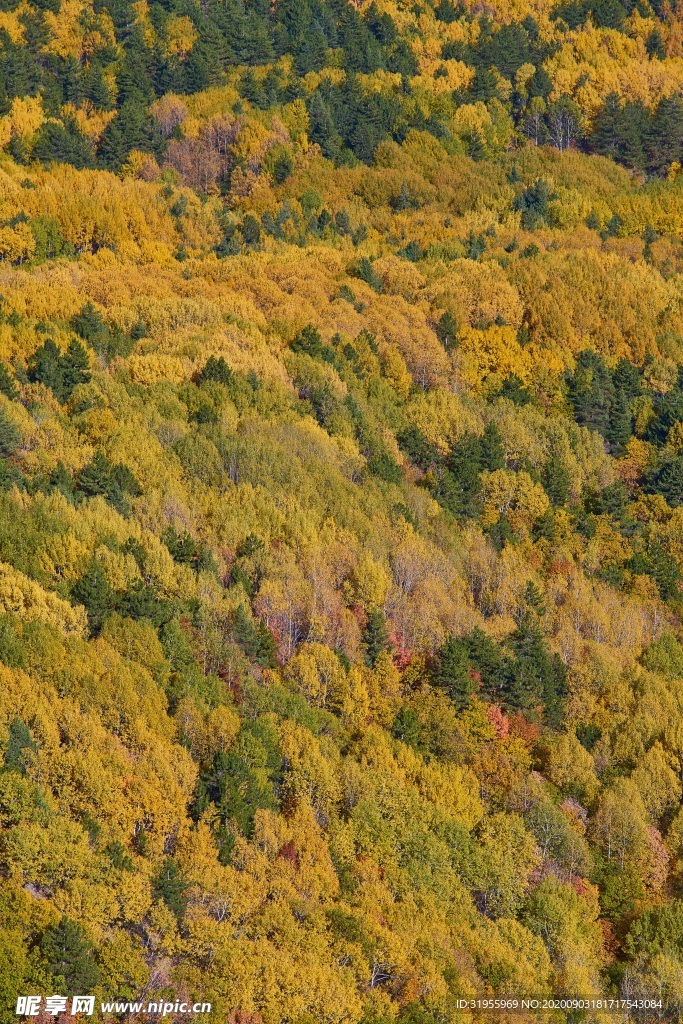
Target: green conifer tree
[
  {"x": 10, "y": 436},
  {"x": 96, "y": 594},
  {"x": 375, "y": 637},
  {"x": 70, "y": 958}
]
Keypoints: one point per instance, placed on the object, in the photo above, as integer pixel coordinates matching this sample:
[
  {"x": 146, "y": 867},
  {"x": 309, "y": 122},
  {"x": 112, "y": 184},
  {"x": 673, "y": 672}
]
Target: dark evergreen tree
[
  {"x": 669, "y": 410},
  {"x": 75, "y": 368},
  {"x": 310, "y": 51},
  {"x": 215, "y": 369},
  {"x": 534, "y": 598},
  {"x": 407, "y": 728},
  {"x": 322, "y": 127},
  {"x": 492, "y": 454},
  {"x": 668, "y": 481},
  {"x": 70, "y": 958},
  {"x": 96, "y": 594},
  {"x": 446, "y": 12},
  {"x": 608, "y": 13},
  {"x": 532, "y": 203},
  {"x": 10, "y": 436},
  {"x": 366, "y": 272},
  {"x": 620, "y": 421},
  {"x": 169, "y": 885},
  {"x": 251, "y": 231},
  {"x": 241, "y": 781},
  {"x": 447, "y": 331},
  {"x": 20, "y": 743},
  {"x": 255, "y": 639},
  {"x": 96, "y": 476},
  {"x": 608, "y": 127},
  {"x": 537, "y": 677},
  {"x": 182, "y": 547},
  {"x": 627, "y": 378},
  {"x": 90, "y": 325},
  {"x": 654, "y": 44},
  {"x": 418, "y": 449},
  {"x": 487, "y": 660},
  {"x": 513, "y": 389},
  {"x": 506, "y": 49},
  {"x": 453, "y": 672},
  {"x": 62, "y": 143},
  {"x": 375, "y": 637},
  {"x": 664, "y": 137},
  {"x": 45, "y": 366},
  {"x": 132, "y": 128},
  {"x": 61, "y": 481},
  {"x": 308, "y": 340},
  {"x": 555, "y": 479},
  {"x": 591, "y": 392}
]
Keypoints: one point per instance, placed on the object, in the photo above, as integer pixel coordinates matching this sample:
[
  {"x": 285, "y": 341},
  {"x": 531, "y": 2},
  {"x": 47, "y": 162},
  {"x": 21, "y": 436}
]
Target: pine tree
[
  {"x": 265, "y": 647},
  {"x": 61, "y": 481},
  {"x": 492, "y": 454},
  {"x": 620, "y": 421},
  {"x": 96, "y": 476},
  {"x": 404, "y": 200},
  {"x": 322, "y": 127},
  {"x": 310, "y": 54},
  {"x": 95, "y": 593},
  {"x": 591, "y": 392},
  {"x": 532, "y": 203},
  {"x": 170, "y": 886},
  {"x": 183, "y": 547},
  {"x": 89, "y": 324},
  {"x": 534, "y": 598},
  {"x": 447, "y": 331},
  {"x": 70, "y": 958},
  {"x": 627, "y": 378},
  {"x": 608, "y": 127},
  {"x": 216, "y": 370},
  {"x": 664, "y": 137},
  {"x": 486, "y": 661},
  {"x": 453, "y": 672},
  {"x": 418, "y": 449},
  {"x": 537, "y": 677},
  {"x": 7, "y": 386},
  {"x": 308, "y": 340},
  {"x": 19, "y": 741},
  {"x": 45, "y": 366},
  {"x": 668, "y": 481},
  {"x": 62, "y": 143},
  {"x": 654, "y": 44},
  {"x": 75, "y": 368},
  {"x": 408, "y": 728},
  {"x": 242, "y": 627},
  {"x": 10, "y": 436},
  {"x": 375, "y": 637},
  {"x": 555, "y": 479}
]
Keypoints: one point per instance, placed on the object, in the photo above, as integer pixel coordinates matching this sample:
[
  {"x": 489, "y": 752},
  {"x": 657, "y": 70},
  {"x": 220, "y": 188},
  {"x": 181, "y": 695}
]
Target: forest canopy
[{"x": 341, "y": 505}]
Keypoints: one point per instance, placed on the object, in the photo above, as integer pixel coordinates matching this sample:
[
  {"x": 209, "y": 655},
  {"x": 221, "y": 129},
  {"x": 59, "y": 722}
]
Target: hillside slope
[{"x": 341, "y": 506}]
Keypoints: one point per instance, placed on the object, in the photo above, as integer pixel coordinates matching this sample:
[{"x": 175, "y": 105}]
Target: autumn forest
[{"x": 341, "y": 506}]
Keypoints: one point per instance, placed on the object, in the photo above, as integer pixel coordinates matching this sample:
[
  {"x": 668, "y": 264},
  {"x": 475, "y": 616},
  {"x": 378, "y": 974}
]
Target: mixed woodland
[{"x": 341, "y": 505}]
